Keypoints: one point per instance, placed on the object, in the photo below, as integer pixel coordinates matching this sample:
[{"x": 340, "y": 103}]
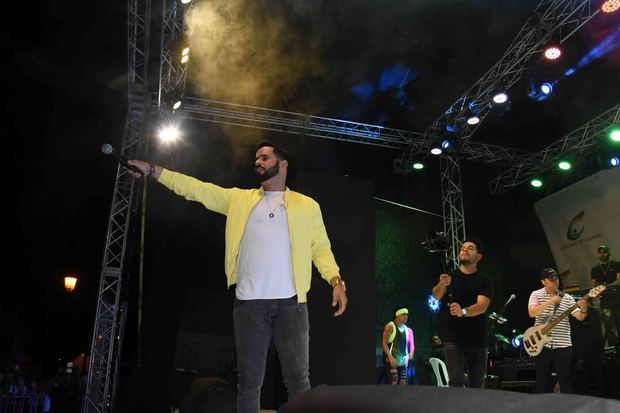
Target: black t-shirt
[
  {"x": 605, "y": 273},
  {"x": 465, "y": 289}
]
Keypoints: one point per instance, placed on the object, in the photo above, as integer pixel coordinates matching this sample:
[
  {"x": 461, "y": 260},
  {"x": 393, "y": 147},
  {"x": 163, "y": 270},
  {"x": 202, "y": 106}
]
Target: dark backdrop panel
[{"x": 340, "y": 349}]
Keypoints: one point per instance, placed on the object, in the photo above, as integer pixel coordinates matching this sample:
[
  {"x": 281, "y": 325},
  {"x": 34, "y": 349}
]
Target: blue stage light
[
  {"x": 540, "y": 91},
  {"x": 433, "y": 304},
  {"x": 614, "y": 161},
  {"x": 546, "y": 88}
]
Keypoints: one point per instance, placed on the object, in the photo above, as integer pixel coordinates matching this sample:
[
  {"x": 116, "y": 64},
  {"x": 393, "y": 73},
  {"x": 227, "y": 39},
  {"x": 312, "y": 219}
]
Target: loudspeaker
[{"x": 411, "y": 399}]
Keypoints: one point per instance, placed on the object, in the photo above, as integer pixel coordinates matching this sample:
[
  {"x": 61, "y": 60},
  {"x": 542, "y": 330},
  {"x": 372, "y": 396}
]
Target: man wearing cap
[
  {"x": 607, "y": 272},
  {"x": 467, "y": 294},
  {"x": 398, "y": 347},
  {"x": 545, "y": 305}
]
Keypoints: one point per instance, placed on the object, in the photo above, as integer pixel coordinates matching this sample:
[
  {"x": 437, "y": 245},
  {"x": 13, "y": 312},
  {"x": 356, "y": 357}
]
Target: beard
[{"x": 267, "y": 173}]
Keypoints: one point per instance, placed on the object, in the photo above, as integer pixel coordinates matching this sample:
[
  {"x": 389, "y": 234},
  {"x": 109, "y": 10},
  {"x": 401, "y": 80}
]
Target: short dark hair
[
  {"x": 473, "y": 240},
  {"x": 280, "y": 152}
]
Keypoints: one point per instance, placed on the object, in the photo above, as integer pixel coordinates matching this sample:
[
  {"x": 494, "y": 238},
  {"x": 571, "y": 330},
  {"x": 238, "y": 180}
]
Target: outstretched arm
[{"x": 213, "y": 197}]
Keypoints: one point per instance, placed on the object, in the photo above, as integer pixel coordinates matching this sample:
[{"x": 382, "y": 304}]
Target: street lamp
[{"x": 70, "y": 283}]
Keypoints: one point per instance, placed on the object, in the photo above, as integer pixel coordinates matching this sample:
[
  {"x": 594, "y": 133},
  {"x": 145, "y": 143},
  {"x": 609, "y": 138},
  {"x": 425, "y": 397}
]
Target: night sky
[{"x": 65, "y": 83}]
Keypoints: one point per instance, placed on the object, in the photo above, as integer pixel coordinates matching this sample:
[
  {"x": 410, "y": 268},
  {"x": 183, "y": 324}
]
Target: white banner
[{"x": 578, "y": 219}]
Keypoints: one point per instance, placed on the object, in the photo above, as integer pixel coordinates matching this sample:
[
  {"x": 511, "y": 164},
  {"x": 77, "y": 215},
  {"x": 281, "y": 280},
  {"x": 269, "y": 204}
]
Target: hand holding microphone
[{"x": 135, "y": 168}]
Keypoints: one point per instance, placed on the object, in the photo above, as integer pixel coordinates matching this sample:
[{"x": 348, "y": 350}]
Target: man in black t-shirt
[
  {"x": 607, "y": 272},
  {"x": 467, "y": 294}
]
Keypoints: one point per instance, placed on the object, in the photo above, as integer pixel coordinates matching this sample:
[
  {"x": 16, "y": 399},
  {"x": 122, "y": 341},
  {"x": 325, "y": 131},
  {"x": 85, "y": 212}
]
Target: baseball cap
[
  {"x": 603, "y": 248},
  {"x": 548, "y": 273}
]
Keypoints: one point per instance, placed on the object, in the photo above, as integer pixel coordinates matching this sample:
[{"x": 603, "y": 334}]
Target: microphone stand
[{"x": 497, "y": 319}]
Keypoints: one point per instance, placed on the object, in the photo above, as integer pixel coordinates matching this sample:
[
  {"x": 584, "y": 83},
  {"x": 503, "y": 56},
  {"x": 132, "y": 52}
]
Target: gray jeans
[
  {"x": 257, "y": 323},
  {"x": 462, "y": 356}
]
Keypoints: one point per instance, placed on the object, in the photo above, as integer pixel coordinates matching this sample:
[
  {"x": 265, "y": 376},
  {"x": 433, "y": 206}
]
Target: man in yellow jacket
[{"x": 273, "y": 235}]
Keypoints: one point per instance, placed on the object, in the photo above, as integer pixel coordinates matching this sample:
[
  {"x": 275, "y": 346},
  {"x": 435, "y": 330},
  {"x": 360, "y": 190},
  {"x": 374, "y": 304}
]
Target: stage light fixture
[
  {"x": 185, "y": 55},
  {"x": 417, "y": 165},
  {"x": 610, "y": 6},
  {"x": 564, "y": 165},
  {"x": 169, "y": 134},
  {"x": 186, "y": 1},
  {"x": 436, "y": 151},
  {"x": 517, "y": 341},
  {"x": 552, "y": 52},
  {"x": 445, "y": 144},
  {"x": 540, "y": 91},
  {"x": 473, "y": 120},
  {"x": 614, "y": 135},
  {"x": 536, "y": 183},
  {"x": 433, "y": 304},
  {"x": 177, "y": 104},
  {"x": 614, "y": 162},
  {"x": 500, "y": 97}
]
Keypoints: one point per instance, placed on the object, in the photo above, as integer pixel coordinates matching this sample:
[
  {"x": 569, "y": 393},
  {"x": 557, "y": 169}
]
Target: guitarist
[{"x": 545, "y": 304}]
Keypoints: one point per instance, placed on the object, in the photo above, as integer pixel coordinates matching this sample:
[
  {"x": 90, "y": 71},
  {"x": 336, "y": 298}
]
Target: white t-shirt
[{"x": 265, "y": 268}]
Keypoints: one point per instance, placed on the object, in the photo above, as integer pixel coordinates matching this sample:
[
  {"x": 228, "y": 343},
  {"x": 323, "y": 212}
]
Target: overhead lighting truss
[
  {"x": 552, "y": 17},
  {"x": 337, "y": 129},
  {"x": 577, "y": 145}
]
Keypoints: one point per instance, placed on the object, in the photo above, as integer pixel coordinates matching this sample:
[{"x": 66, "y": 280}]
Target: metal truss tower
[
  {"x": 109, "y": 323},
  {"x": 576, "y": 145},
  {"x": 452, "y": 207},
  {"x": 172, "y": 69}
]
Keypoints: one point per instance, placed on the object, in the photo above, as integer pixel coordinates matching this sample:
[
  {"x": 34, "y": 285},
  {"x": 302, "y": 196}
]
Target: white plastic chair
[{"x": 435, "y": 363}]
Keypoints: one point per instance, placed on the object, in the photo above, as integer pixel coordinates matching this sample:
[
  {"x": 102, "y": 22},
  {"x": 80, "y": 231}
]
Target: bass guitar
[{"x": 535, "y": 338}]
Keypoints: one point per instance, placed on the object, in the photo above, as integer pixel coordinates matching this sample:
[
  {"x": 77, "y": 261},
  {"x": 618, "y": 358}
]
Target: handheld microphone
[
  {"x": 512, "y": 297},
  {"x": 560, "y": 294},
  {"x": 108, "y": 149},
  {"x": 450, "y": 294}
]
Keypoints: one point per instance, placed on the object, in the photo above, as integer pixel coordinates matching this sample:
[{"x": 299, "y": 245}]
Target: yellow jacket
[{"x": 309, "y": 241}]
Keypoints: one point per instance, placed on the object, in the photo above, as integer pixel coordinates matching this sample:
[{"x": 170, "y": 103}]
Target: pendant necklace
[
  {"x": 271, "y": 214},
  {"x": 606, "y": 269}
]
